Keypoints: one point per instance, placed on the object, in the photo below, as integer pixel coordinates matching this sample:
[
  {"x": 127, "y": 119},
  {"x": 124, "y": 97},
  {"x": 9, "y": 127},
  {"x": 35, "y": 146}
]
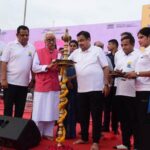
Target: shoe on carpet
[{"x": 121, "y": 147}]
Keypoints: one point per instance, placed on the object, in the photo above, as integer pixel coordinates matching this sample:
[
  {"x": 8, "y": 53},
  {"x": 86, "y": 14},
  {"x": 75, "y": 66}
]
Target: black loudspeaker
[{"x": 18, "y": 133}]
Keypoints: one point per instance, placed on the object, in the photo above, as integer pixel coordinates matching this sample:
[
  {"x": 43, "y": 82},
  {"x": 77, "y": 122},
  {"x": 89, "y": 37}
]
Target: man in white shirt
[
  {"x": 115, "y": 104},
  {"x": 142, "y": 75},
  {"x": 126, "y": 92},
  {"x": 92, "y": 78},
  {"x": 2, "y": 46},
  {"x": 16, "y": 66}
]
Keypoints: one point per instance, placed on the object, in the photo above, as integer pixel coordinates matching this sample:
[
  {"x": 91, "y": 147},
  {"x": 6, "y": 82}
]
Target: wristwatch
[{"x": 108, "y": 85}]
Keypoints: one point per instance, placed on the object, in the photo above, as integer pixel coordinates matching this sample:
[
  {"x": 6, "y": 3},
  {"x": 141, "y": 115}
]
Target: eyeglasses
[{"x": 50, "y": 40}]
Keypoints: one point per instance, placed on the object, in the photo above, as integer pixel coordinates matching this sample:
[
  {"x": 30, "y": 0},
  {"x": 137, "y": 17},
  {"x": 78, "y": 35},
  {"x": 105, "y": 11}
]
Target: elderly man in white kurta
[{"x": 46, "y": 94}]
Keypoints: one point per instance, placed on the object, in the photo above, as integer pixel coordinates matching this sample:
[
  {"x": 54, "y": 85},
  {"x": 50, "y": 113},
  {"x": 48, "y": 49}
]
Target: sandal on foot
[
  {"x": 80, "y": 141},
  {"x": 95, "y": 146}
]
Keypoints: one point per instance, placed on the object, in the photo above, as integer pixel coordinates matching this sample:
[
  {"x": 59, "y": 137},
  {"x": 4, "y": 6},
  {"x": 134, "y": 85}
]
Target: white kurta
[{"x": 45, "y": 106}]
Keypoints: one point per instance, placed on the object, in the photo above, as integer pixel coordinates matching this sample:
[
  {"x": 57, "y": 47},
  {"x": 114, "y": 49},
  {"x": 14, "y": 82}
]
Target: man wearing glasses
[{"x": 46, "y": 92}]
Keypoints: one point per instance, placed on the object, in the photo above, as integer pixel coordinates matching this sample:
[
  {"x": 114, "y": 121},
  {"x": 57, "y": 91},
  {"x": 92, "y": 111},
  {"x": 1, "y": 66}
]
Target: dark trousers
[
  {"x": 90, "y": 102},
  {"x": 108, "y": 108},
  {"x": 128, "y": 119},
  {"x": 15, "y": 95},
  {"x": 115, "y": 111},
  {"x": 143, "y": 98},
  {"x": 107, "y": 111},
  {"x": 71, "y": 118}
]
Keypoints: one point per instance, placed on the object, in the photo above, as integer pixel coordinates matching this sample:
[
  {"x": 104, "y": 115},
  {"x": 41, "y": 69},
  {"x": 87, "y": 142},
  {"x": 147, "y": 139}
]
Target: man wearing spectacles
[{"x": 46, "y": 92}]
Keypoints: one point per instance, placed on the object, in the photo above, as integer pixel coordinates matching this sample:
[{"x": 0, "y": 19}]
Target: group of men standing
[
  {"x": 132, "y": 91},
  {"x": 22, "y": 66}
]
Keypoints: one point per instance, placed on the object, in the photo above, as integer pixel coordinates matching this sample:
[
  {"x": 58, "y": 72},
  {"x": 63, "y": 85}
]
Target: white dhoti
[{"x": 45, "y": 110}]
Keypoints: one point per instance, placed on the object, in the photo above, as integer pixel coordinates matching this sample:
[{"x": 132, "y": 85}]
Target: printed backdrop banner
[{"x": 99, "y": 32}]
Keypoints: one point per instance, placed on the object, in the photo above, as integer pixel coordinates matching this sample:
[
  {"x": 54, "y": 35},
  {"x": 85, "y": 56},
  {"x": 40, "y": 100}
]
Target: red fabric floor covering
[{"x": 105, "y": 143}]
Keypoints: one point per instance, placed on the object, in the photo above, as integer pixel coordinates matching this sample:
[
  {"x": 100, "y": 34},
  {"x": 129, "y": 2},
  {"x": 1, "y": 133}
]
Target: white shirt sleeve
[
  {"x": 2, "y": 46},
  {"x": 148, "y": 53},
  {"x": 6, "y": 53},
  {"x": 102, "y": 58},
  {"x": 36, "y": 67},
  {"x": 116, "y": 59},
  {"x": 71, "y": 56}
]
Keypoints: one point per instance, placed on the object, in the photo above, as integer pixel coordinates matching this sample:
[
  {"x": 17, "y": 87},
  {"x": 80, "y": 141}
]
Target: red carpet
[{"x": 105, "y": 144}]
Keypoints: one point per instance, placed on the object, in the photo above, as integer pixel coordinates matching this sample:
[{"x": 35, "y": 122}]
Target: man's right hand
[
  {"x": 4, "y": 83},
  {"x": 52, "y": 66},
  {"x": 49, "y": 66}
]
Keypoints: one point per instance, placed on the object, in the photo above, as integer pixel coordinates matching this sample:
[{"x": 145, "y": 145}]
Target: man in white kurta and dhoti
[{"x": 46, "y": 93}]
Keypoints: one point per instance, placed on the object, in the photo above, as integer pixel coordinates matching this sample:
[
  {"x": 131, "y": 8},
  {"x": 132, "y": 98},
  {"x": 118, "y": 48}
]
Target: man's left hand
[
  {"x": 106, "y": 90},
  {"x": 31, "y": 84}
]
